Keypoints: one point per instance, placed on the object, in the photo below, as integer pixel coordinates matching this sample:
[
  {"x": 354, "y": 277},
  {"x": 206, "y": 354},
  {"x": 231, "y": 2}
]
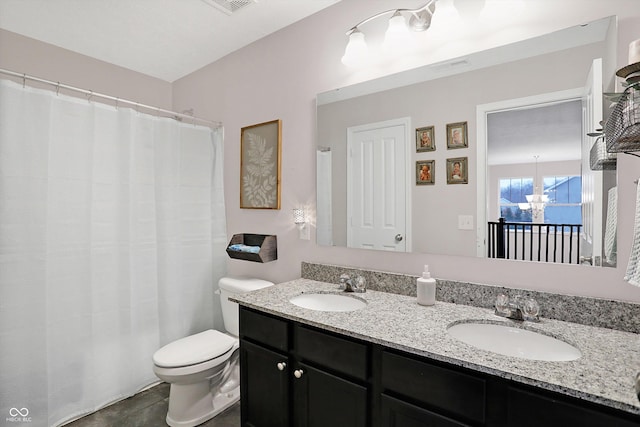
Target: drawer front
[
  {"x": 396, "y": 413},
  {"x": 332, "y": 352},
  {"x": 441, "y": 389},
  {"x": 533, "y": 409},
  {"x": 264, "y": 329}
]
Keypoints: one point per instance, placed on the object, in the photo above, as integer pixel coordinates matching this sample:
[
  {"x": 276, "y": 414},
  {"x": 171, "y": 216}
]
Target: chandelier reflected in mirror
[{"x": 536, "y": 201}]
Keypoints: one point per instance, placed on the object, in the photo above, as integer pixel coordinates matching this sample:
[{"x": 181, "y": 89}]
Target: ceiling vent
[{"x": 229, "y": 6}]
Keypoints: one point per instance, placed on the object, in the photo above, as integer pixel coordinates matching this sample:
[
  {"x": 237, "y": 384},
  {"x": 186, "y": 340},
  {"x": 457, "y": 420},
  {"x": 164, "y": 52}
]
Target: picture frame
[
  {"x": 425, "y": 172},
  {"x": 457, "y": 135},
  {"x": 458, "y": 170},
  {"x": 260, "y": 165},
  {"x": 425, "y": 139}
]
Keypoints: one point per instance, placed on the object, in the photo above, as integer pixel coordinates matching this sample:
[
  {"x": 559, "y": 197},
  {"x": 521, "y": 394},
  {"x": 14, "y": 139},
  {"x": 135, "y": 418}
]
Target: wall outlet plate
[
  {"x": 465, "y": 222},
  {"x": 305, "y": 232}
]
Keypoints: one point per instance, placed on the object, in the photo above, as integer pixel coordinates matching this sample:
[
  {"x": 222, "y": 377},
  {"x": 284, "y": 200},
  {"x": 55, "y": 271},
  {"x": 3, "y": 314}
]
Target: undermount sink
[
  {"x": 329, "y": 302},
  {"x": 515, "y": 342}
]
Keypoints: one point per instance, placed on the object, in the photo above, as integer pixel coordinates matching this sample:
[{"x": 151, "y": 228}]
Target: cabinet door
[
  {"x": 396, "y": 413},
  {"x": 531, "y": 408},
  {"x": 323, "y": 400},
  {"x": 264, "y": 381}
]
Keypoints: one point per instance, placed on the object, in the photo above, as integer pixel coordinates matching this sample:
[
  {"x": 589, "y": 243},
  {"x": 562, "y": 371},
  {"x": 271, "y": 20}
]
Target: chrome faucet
[
  {"x": 347, "y": 284},
  {"x": 517, "y": 308}
]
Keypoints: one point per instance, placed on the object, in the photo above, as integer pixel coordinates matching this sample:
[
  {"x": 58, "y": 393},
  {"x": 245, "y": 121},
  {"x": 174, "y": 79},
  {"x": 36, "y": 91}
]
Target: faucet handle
[
  {"x": 360, "y": 284},
  {"x": 530, "y": 310},
  {"x": 344, "y": 278},
  {"x": 502, "y": 305}
]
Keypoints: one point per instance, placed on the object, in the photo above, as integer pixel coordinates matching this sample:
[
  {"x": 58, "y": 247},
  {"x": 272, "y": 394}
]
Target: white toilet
[{"x": 203, "y": 368}]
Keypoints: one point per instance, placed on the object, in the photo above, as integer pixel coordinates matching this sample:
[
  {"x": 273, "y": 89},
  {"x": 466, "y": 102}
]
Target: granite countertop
[{"x": 604, "y": 374}]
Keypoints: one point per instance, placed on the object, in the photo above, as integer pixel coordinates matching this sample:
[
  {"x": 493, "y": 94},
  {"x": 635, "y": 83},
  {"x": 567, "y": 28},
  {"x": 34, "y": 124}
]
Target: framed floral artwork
[{"x": 260, "y": 157}]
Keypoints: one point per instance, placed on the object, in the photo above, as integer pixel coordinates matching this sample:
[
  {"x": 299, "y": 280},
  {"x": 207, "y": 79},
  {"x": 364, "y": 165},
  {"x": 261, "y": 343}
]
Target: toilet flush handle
[{"x": 281, "y": 366}]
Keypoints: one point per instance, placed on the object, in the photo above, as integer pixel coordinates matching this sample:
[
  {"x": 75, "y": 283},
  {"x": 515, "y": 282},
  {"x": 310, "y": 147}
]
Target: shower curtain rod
[{"x": 91, "y": 94}]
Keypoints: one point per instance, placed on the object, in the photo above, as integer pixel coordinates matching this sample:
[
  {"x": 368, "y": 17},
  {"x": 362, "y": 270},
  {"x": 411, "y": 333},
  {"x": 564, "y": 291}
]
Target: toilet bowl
[{"x": 203, "y": 368}]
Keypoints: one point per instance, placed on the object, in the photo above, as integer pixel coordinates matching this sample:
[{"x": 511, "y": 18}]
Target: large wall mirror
[{"x": 423, "y": 160}]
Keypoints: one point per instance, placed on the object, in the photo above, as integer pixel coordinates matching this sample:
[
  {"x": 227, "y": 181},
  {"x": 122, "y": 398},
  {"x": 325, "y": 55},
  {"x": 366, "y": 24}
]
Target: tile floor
[{"x": 148, "y": 409}]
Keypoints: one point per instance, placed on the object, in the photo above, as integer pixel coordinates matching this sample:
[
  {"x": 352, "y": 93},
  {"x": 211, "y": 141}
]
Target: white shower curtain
[{"x": 112, "y": 238}]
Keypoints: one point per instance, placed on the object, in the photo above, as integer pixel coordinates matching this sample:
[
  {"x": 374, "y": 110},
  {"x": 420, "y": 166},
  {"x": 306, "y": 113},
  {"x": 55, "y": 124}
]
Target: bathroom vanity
[{"x": 392, "y": 363}]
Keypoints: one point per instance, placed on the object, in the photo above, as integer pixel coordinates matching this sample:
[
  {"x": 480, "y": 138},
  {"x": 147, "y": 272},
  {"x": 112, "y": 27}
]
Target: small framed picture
[
  {"x": 425, "y": 172},
  {"x": 425, "y": 139},
  {"x": 457, "y": 171},
  {"x": 457, "y": 135}
]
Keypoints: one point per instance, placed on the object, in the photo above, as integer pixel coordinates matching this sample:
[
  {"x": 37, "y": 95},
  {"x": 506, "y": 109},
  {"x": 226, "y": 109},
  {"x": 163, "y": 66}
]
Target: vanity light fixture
[
  {"x": 398, "y": 35},
  {"x": 299, "y": 217}
]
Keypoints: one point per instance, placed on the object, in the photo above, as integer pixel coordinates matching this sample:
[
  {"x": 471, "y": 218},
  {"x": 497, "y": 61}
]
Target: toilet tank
[{"x": 231, "y": 286}]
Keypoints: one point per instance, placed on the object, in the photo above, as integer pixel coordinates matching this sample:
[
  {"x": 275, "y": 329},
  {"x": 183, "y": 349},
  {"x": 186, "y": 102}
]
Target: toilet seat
[{"x": 194, "y": 349}]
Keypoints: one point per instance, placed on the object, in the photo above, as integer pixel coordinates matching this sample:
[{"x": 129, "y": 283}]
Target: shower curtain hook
[
  {"x": 24, "y": 80},
  {"x": 90, "y": 96},
  {"x": 117, "y": 99},
  {"x": 58, "y": 89}
]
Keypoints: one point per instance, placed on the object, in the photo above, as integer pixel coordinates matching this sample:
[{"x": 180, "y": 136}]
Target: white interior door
[
  {"x": 377, "y": 186},
  {"x": 592, "y": 203}
]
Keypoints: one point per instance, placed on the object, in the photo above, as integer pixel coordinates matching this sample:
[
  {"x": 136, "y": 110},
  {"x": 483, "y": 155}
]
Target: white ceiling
[{"x": 167, "y": 39}]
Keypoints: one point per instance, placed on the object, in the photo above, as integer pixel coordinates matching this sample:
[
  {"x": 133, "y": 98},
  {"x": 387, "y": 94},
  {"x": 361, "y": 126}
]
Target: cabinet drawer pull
[
  {"x": 281, "y": 366},
  {"x": 298, "y": 373}
]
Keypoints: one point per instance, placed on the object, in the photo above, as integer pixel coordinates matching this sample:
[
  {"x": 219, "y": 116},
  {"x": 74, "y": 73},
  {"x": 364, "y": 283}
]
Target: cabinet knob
[
  {"x": 298, "y": 373},
  {"x": 281, "y": 366}
]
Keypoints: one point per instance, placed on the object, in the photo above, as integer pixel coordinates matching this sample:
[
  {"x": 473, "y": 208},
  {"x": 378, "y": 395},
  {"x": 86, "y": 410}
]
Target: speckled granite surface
[
  {"x": 604, "y": 374},
  {"x": 618, "y": 315}
]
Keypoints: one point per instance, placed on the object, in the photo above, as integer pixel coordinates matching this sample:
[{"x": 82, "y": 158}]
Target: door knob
[
  {"x": 398, "y": 237},
  {"x": 281, "y": 366},
  {"x": 298, "y": 373}
]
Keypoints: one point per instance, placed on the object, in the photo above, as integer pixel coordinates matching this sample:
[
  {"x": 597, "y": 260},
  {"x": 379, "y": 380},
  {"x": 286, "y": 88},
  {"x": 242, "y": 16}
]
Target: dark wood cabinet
[
  {"x": 300, "y": 376},
  {"x": 398, "y": 413},
  {"x": 528, "y": 407},
  {"x": 322, "y": 399},
  {"x": 264, "y": 386},
  {"x": 442, "y": 389}
]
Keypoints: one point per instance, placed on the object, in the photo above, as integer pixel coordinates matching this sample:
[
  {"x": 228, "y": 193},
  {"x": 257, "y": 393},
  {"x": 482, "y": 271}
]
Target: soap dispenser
[{"x": 426, "y": 288}]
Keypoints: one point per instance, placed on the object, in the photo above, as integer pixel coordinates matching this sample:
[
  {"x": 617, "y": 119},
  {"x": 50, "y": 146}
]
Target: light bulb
[
  {"x": 356, "y": 52},
  {"x": 398, "y": 38},
  {"x": 298, "y": 216}
]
